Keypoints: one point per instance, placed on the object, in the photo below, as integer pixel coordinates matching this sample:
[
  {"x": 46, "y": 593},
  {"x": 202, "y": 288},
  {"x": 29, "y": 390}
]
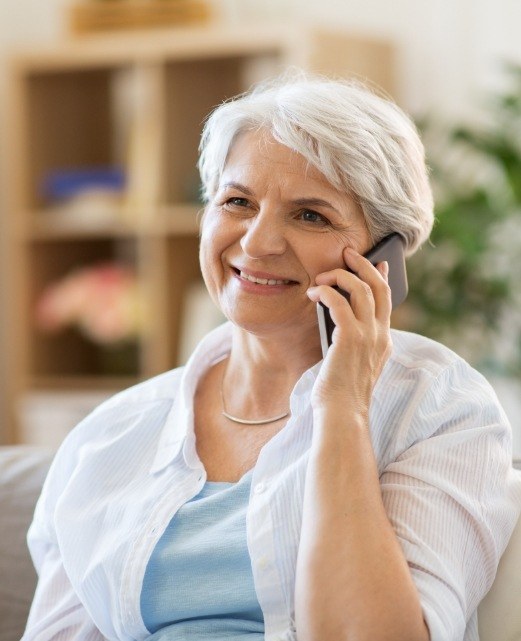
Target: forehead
[
  {"x": 260, "y": 165},
  {"x": 258, "y": 154}
]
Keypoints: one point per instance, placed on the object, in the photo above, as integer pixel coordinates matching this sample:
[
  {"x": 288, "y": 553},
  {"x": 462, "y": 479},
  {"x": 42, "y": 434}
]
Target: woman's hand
[
  {"x": 352, "y": 577},
  {"x": 361, "y": 339}
]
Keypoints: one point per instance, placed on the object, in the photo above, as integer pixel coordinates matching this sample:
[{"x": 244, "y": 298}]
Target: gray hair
[{"x": 362, "y": 143}]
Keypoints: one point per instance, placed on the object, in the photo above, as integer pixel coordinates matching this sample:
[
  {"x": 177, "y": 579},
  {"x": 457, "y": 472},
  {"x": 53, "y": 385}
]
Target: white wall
[{"x": 448, "y": 49}]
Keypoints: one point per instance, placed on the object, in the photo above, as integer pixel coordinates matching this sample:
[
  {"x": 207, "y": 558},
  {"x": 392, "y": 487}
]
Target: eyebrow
[
  {"x": 300, "y": 202},
  {"x": 314, "y": 202},
  {"x": 238, "y": 186}
]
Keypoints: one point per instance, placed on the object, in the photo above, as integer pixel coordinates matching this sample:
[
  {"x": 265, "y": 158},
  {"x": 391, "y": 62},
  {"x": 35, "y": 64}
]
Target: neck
[{"x": 262, "y": 371}]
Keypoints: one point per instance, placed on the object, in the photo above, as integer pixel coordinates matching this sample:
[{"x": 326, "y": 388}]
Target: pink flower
[{"x": 103, "y": 301}]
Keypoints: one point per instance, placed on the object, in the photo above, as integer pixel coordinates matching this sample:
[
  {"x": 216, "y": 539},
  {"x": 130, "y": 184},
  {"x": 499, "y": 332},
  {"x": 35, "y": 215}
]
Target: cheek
[
  {"x": 210, "y": 271},
  {"x": 212, "y": 246},
  {"x": 207, "y": 256},
  {"x": 321, "y": 257},
  {"x": 209, "y": 230}
]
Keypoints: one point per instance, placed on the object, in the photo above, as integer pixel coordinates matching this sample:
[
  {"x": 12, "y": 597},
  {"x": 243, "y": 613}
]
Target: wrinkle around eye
[
  {"x": 320, "y": 221},
  {"x": 236, "y": 209},
  {"x": 324, "y": 224},
  {"x": 232, "y": 201},
  {"x": 231, "y": 204}
]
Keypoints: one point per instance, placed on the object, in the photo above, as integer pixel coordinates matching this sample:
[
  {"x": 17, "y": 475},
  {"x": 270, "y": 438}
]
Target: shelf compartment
[
  {"x": 69, "y": 124},
  {"x": 193, "y": 88},
  {"x": 182, "y": 272},
  {"x": 50, "y": 354}
]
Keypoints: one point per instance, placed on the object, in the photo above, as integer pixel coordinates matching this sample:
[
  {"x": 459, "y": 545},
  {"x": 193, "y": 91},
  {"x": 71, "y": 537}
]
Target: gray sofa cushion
[{"x": 22, "y": 471}]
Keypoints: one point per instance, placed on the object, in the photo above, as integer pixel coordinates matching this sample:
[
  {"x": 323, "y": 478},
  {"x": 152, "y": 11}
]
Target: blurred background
[{"x": 101, "y": 105}]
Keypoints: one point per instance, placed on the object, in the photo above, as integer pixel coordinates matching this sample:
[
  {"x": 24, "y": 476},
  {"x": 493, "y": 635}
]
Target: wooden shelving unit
[{"x": 135, "y": 100}]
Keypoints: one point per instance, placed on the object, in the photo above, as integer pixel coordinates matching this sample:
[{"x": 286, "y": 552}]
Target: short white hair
[{"x": 362, "y": 143}]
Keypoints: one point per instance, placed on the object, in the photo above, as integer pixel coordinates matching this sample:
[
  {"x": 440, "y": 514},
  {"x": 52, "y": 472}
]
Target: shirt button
[
  {"x": 259, "y": 488},
  {"x": 263, "y": 563}
]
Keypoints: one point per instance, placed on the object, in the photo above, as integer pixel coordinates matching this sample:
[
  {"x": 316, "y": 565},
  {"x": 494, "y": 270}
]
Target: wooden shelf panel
[
  {"x": 78, "y": 383},
  {"x": 180, "y": 220},
  {"x": 43, "y": 227},
  {"x": 196, "y": 43},
  {"x": 167, "y": 220}
]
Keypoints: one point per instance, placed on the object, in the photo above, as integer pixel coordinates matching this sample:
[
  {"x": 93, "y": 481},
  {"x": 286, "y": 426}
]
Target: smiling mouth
[{"x": 262, "y": 281}]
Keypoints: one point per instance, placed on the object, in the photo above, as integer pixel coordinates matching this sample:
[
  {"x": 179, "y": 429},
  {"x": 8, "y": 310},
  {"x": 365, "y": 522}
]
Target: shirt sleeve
[
  {"x": 453, "y": 497},
  {"x": 56, "y": 612}
]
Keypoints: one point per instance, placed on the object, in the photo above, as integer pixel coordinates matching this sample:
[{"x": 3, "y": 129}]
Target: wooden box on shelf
[
  {"x": 88, "y": 16},
  {"x": 135, "y": 101}
]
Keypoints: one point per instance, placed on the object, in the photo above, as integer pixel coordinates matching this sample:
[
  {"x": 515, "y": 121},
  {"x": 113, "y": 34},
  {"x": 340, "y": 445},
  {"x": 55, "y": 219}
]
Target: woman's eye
[
  {"x": 237, "y": 202},
  {"x": 310, "y": 216}
]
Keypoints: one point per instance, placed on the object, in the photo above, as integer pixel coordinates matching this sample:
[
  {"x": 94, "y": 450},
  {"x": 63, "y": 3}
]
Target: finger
[
  {"x": 360, "y": 293},
  {"x": 346, "y": 313},
  {"x": 383, "y": 298},
  {"x": 383, "y": 268},
  {"x": 376, "y": 278},
  {"x": 339, "y": 308}
]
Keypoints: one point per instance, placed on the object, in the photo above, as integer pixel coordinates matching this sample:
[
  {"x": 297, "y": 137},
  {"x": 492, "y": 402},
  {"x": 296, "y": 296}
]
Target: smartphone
[{"x": 390, "y": 249}]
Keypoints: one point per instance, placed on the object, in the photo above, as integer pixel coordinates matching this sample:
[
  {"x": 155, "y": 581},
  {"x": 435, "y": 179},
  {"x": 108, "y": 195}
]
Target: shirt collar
[
  {"x": 300, "y": 398},
  {"x": 179, "y": 423}
]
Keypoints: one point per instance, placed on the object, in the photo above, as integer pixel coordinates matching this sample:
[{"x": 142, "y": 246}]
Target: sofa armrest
[
  {"x": 499, "y": 613},
  {"x": 22, "y": 472}
]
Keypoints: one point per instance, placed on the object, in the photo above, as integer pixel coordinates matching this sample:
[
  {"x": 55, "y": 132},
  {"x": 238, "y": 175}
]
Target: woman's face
[{"x": 273, "y": 225}]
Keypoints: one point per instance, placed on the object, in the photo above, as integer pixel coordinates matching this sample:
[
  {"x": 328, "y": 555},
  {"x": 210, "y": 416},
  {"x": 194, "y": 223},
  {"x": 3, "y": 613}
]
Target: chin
[{"x": 265, "y": 324}]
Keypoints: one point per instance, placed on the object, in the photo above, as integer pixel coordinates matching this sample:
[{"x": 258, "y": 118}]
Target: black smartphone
[{"x": 390, "y": 249}]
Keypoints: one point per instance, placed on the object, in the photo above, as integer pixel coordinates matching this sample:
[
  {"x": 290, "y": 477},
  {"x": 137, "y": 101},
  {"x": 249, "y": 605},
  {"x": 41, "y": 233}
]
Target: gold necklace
[{"x": 244, "y": 421}]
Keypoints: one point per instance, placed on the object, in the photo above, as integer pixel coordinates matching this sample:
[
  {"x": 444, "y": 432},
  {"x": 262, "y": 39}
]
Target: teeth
[{"x": 263, "y": 281}]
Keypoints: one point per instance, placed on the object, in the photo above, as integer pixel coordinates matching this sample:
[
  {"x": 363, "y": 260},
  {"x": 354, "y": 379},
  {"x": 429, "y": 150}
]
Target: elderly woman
[{"x": 262, "y": 492}]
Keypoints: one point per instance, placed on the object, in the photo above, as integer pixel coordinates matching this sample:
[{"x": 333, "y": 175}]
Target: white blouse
[{"x": 443, "y": 447}]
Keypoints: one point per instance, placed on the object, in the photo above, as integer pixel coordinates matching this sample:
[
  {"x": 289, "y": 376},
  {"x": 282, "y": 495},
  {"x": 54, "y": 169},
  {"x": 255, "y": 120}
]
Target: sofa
[{"x": 22, "y": 471}]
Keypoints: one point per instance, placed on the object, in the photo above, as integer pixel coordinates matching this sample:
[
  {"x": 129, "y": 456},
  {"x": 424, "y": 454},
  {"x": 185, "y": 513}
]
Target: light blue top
[{"x": 199, "y": 583}]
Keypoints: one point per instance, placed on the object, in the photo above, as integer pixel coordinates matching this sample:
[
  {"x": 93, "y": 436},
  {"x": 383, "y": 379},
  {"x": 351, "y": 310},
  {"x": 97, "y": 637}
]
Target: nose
[{"x": 264, "y": 235}]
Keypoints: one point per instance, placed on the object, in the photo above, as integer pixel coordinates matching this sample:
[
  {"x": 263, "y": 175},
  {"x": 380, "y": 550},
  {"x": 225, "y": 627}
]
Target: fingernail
[{"x": 312, "y": 293}]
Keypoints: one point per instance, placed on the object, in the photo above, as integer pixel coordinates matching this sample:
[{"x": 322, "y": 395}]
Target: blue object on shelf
[{"x": 66, "y": 183}]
